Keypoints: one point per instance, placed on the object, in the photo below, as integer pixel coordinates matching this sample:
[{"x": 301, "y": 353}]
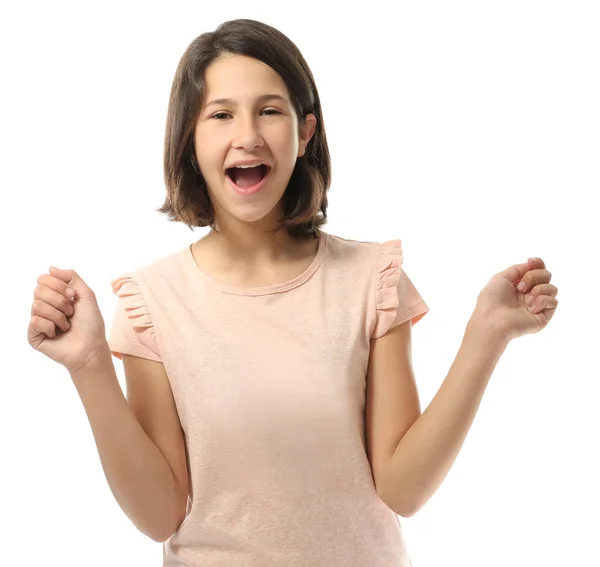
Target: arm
[
  {"x": 138, "y": 474},
  {"x": 409, "y": 469}
]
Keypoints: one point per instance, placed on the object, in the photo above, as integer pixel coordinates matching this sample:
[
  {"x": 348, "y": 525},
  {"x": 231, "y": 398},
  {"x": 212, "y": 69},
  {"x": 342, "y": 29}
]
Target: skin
[{"x": 249, "y": 127}]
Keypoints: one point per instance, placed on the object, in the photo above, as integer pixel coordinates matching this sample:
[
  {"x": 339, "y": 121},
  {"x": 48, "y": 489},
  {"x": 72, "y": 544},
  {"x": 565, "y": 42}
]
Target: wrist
[
  {"x": 97, "y": 359},
  {"x": 482, "y": 328}
]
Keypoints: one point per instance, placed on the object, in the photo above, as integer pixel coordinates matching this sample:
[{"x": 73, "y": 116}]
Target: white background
[{"x": 470, "y": 130}]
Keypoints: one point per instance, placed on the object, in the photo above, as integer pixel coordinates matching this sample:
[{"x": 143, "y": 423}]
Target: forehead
[{"x": 240, "y": 77}]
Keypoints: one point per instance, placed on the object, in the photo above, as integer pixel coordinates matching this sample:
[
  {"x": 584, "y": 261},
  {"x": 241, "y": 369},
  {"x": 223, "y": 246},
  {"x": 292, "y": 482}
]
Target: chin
[
  {"x": 255, "y": 217},
  {"x": 264, "y": 209}
]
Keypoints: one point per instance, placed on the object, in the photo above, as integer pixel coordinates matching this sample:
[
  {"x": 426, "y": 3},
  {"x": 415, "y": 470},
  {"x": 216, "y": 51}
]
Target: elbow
[
  {"x": 397, "y": 503},
  {"x": 161, "y": 537},
  {"x": 407, "y": 512},
  {"x": 402, "y": 502},
  {"x": 401, "y": 509},
  {"x": 168, "y": 530}
]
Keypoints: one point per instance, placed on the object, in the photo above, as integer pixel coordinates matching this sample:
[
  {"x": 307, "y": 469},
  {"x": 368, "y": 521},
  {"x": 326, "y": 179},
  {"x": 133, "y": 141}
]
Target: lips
[{"x": 247, "y": 175}]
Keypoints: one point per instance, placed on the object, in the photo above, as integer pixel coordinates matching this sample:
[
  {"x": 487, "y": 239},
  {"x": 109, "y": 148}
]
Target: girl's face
[{"x": 247, "y": 118}]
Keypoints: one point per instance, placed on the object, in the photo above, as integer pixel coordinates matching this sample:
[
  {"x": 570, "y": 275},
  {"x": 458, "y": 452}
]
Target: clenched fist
[{"x": 66, "y": 323}]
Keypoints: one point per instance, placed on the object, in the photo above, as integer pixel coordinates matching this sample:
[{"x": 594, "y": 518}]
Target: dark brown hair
[{"x": 187, "y": 199}]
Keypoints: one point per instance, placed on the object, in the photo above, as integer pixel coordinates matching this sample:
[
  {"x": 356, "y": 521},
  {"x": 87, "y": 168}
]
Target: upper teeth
[{"x": 248, "y": 166}]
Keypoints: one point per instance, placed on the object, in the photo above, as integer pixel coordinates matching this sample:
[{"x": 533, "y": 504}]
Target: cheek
[
  {"x": 286, "y": 141},
  {"x": 210, "y": 155}
]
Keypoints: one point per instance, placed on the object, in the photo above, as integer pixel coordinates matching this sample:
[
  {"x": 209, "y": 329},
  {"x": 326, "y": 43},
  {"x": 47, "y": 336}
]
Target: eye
[
  {"x": 271, "y": 111},
  {"x": 220, "y": 115}
]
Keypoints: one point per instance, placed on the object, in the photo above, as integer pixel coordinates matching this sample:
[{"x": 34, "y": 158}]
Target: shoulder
[
  {"x": 159, "y": 269},
  {"x": 360, "y": 253},
  {"x": 140, "y": 289},
  {"x": 347, "y": 248}
]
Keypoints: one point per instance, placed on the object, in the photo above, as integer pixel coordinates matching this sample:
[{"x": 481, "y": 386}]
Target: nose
[{"x": 247, "y": 135}]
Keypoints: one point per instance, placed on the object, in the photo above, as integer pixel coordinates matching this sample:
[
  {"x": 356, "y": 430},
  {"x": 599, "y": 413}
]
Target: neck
[{"x": 252, "y": 244}]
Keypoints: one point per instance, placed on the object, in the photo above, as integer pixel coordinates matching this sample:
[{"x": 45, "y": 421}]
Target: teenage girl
[{"x": 272, "y": 416}]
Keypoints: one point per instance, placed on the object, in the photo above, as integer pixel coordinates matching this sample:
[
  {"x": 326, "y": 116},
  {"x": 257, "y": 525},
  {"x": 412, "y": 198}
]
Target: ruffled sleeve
[
  {"x": 132, "y": 330},
  {"x": 396, "y": 298}
]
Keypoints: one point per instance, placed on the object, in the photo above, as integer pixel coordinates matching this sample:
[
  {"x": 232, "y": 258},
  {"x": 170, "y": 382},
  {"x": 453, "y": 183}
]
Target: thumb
[{"x": 516, "y": 272}]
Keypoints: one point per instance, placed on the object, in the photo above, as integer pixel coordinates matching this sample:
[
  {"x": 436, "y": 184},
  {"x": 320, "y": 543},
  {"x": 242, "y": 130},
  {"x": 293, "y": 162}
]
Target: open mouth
[{"x": 246, "y": 177}]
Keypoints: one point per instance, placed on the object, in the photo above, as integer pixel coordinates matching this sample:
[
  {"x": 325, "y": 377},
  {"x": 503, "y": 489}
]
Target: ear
[{"x": 306, "y": 132}]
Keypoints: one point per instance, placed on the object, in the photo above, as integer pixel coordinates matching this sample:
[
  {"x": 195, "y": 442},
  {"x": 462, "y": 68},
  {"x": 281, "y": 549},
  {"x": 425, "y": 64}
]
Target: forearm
[
  {"x": 427, "y": 451},
  {"x": 138, "y": 474}
]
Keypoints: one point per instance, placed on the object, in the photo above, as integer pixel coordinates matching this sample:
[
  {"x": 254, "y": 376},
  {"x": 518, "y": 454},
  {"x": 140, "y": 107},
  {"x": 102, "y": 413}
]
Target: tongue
[{"x": 246, "y": 178}]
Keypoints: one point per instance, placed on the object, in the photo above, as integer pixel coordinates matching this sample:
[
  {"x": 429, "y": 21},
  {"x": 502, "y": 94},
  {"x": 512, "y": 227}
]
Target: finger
[
  {"x": 54, "y": 298},
  {"x": 536, "y": 262},
  {"x": 539, "y": 290},
  {"x": 67, "y": 276},
  {"x": 38, "y": 326},
  {"x": 515, "y": 273},
  {"x": 533, "y": 278},
  {"x": 42, "y": 309},
  {"x": 544, "y": 303},
  {"x": 56, "y": 284}
]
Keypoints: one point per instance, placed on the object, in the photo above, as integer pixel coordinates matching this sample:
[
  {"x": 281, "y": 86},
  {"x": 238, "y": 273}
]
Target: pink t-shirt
[{"x": 269, "y": 384}]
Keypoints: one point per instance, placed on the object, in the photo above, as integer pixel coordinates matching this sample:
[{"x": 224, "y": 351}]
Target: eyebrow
[{"x": 230, "y": 101}]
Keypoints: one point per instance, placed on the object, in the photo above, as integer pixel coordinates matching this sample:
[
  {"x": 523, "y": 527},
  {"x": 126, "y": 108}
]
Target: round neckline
[{"x": 265, "y": 289}]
